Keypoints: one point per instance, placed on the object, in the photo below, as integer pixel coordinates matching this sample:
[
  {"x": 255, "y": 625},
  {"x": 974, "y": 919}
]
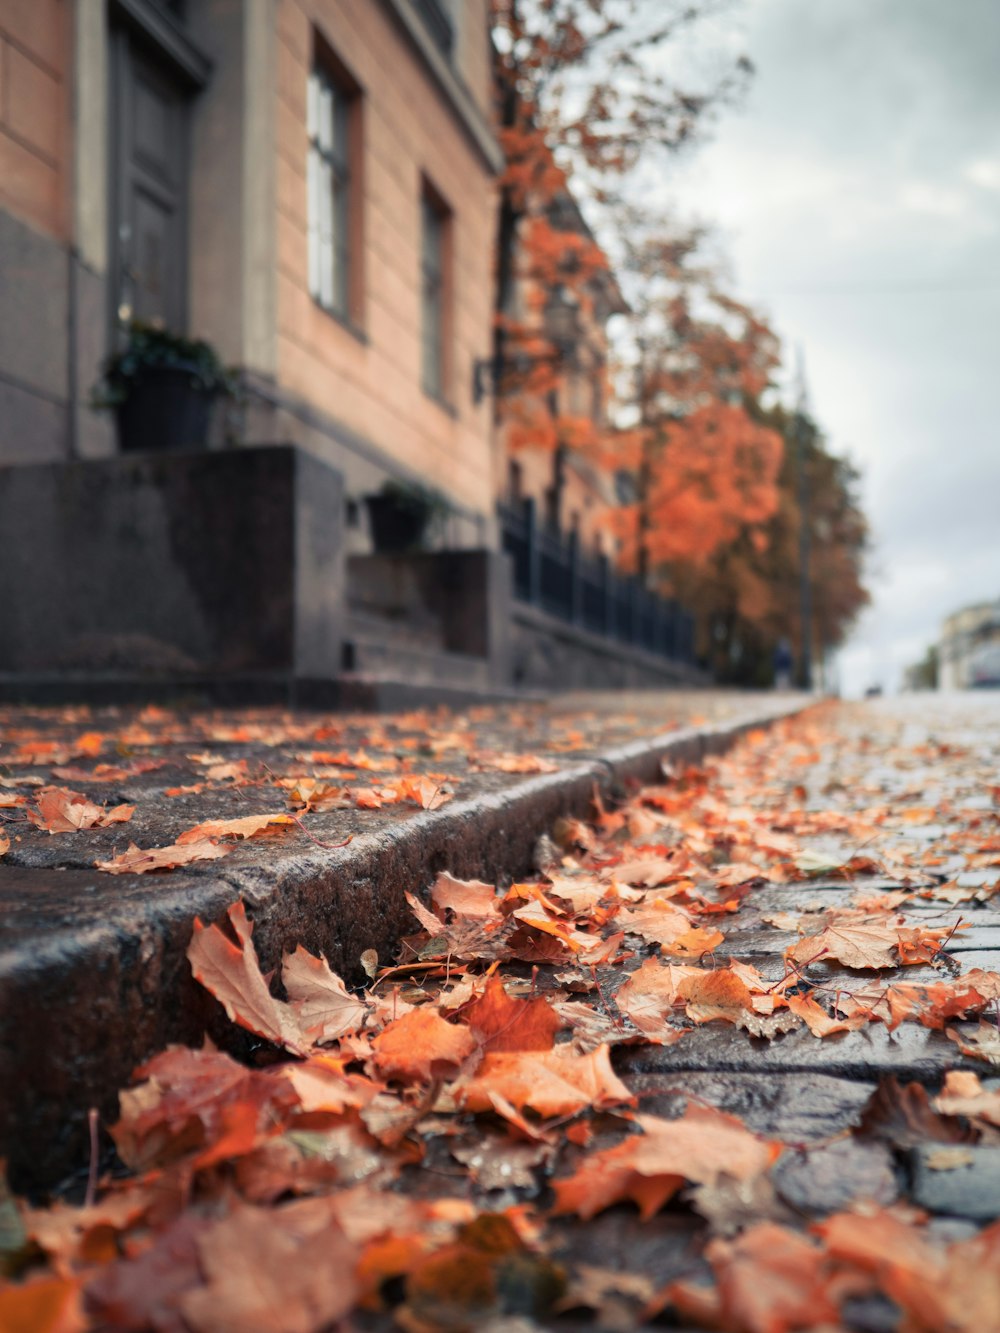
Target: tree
[
  {"x": 747, "y": 596},
  {"x": 696, "y": 361},
  {"x": 580, "y": 89}
]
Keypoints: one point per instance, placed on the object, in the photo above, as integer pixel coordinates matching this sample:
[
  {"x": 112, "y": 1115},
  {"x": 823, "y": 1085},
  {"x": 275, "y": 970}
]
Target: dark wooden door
[{"x": 149, "y": 187}]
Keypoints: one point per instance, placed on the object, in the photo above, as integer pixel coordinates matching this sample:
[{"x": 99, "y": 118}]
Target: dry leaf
[
  {"x": 140, "y": 860},
  {"x": 249, "y": 826},
  {"x": 649, "y": 1168},
  {"x": 63, "y": 811}
]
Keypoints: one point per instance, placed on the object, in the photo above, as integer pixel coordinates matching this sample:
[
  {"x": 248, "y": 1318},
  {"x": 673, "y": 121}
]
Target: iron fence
[{"x": 554, "y": 574}]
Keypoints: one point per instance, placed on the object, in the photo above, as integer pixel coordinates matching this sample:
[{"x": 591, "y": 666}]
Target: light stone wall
[{"x": 368, "y": 378}]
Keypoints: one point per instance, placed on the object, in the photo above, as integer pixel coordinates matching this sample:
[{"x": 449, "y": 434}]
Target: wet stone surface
[
  {"x": 797, "y": 1108},
  {"x": 962, "y": 1180},
  {"x": 911, "y": 1052},
  {"x": 829, "y": 1177}
]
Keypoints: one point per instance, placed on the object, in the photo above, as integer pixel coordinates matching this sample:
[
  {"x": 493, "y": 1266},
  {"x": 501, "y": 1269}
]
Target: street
[{"x": 728, "y": 1057}]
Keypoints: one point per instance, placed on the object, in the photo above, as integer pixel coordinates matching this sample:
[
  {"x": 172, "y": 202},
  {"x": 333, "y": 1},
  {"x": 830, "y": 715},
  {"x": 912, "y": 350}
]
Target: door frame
[{"x": 159, "y": 39}]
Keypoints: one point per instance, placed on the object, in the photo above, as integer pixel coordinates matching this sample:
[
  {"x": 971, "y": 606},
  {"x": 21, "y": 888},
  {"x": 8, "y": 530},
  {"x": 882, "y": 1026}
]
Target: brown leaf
[
  {"x": 141, "y": 860},
  {"x": 232, "y": 973},
  {"x": 63, "y": 811},
  {"x": 983, "y": 1043},
  {"x": 464, "y": 897},
  {"x": 183, "y": 1102},
  {"x": 267, "y": 1268},
  {"x": 502, "y": 1023},
  {"x": 963, "y": 1094},
  {"x": 649, "y": 1168},
  {"x": 650, "y": 994},
  {"x": 145, "y": 1291},
  {"x": 902, "y": 1114},
  {"x": 249, "y": 826},
  {"x": 769, "y": 1280},
  {"x": 496, "y": 1162},
  {"x": 323, "y": 1005},
  {"x": 555, "y": 1082},
  {"x": 42, "y": 1305},
  {"x": 871, "y": 943},
  {"x": 421, "y": 1046}
]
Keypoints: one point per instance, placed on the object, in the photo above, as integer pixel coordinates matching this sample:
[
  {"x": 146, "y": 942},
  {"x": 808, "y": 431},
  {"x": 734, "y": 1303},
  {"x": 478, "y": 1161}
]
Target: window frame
[
  {"x": 334, "y": 248},
  {"x": 435, "y": 265}
]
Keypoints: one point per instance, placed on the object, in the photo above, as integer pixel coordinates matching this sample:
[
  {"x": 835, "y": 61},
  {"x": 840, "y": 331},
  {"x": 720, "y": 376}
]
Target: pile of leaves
[{"x": 421, "y": 1151}]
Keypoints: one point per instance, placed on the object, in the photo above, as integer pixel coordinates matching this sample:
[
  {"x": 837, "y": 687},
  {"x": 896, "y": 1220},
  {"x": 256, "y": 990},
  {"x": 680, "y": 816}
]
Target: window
[
  {"x": 332, "y": 187},
  {"x": 435, "y": 226}
]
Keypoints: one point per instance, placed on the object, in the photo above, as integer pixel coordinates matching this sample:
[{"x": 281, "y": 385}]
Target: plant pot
[
  {"x": 395, "y": 527},
  {"x": 166, "y": 409}
]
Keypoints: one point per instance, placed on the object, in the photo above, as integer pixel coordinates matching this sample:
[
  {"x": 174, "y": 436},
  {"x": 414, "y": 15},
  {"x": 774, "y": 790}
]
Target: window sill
[
  {"x": 445, "y": 404},
  {"x": 343, "y": 320}
]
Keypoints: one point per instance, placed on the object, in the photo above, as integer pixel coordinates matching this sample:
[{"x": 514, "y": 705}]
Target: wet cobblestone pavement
[{"x": 780, "y": 969}]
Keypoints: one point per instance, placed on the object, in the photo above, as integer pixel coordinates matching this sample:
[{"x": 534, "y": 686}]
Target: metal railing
[{"x": 553, "y": 574}]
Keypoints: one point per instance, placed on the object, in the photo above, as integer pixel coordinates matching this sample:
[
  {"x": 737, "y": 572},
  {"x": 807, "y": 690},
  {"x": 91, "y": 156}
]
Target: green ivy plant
[{"x": 152, "y": 347}]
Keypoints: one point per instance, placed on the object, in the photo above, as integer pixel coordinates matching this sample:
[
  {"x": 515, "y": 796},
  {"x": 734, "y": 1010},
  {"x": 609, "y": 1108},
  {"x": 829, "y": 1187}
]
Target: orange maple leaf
[
  {"x": 140, "y": 860},
  {"x": 248, "y": 826},
  {"x": 63, "y": 811},
  {"x": 556, "y": 1082},
  {"x": 421, "y": 1046},
  {"x": 649, "y": 1168}
]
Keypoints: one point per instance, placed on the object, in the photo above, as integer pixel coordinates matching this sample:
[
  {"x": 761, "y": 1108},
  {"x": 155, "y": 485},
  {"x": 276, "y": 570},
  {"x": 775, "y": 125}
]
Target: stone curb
[{"x": 81, "y": 1009}]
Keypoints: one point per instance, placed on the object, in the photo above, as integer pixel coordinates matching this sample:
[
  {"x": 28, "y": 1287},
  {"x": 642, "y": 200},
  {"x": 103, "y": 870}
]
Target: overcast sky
[{"x": 858, "y": 193}]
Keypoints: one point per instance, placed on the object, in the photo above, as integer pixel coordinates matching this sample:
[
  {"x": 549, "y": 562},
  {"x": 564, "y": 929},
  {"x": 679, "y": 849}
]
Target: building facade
[
  {"x": 307, "y": 184},
  {"x": 969, "y": 649}
]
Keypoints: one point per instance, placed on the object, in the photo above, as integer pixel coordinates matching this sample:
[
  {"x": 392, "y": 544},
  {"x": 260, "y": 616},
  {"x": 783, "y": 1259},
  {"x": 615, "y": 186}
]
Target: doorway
[{"x": 150, "y": 108}]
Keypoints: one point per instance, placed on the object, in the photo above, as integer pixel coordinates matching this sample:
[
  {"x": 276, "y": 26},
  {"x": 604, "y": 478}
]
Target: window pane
[
  {"x": 325, "y": 117},
  {"x": 329, "y": 192},
  {"x": 312, "y": 107},
  {"x": 312, "y": 195}
]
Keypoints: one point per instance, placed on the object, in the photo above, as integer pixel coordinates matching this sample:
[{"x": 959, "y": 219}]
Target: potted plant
[
  {"x": 403, "y": 514},
  {"x": 162, "y": 386}
]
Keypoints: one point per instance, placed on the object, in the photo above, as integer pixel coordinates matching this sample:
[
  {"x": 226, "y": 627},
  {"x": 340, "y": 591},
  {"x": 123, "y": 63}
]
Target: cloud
[{"x": 857, "y": 190}]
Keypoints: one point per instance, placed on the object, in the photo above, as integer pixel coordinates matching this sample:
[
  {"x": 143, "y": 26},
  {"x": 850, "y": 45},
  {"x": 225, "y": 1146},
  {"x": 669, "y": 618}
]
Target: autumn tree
[
  {"x": 581, "y": 90},
  {"x": 748, "y": 595},
  {"x": 695, "y": 364}
]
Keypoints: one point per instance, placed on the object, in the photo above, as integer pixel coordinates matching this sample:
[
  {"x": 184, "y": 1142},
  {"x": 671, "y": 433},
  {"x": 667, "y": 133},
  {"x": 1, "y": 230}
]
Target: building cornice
[{"x": 457, "y": 96}]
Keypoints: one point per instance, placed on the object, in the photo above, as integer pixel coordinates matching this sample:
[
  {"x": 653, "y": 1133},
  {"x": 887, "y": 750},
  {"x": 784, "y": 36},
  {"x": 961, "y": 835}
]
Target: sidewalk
[
  {"x": 728, "y": 1062},
  {"x": 92, "y": 963}
]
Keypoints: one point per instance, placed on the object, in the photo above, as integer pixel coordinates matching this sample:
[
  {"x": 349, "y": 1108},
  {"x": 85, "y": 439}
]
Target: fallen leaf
[
  {"x": 232, "y": 973},
  {"x": 141, "y": 860},
  {"x": 649, "y": 1168},
  {"x": 552, "y": 1083},
  {"x": 63, "y": 811},
  {"x": 464, "y": 897},
  {"x": 503, "y": 1023},
  {"x": 290, "y": 1267},
  {"x": 871, "y": 944},
  {"x": 983, "y": 1043},
  {"x": 963, "y": 1094},
  {"x": 42, "y": 1305},
  {"x": 421, "y": 1046},
  {"x": 249, "y": 826},
  {"x": 902, "y": 1114},
  {"x": 323, "y": 1005},
  {"x": 769, "y": 1280}
]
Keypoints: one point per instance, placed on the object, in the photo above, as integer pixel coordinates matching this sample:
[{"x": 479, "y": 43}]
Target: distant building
[
  {"x": 970, "y": 647},
  {"x": 308, "y": 184}
]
